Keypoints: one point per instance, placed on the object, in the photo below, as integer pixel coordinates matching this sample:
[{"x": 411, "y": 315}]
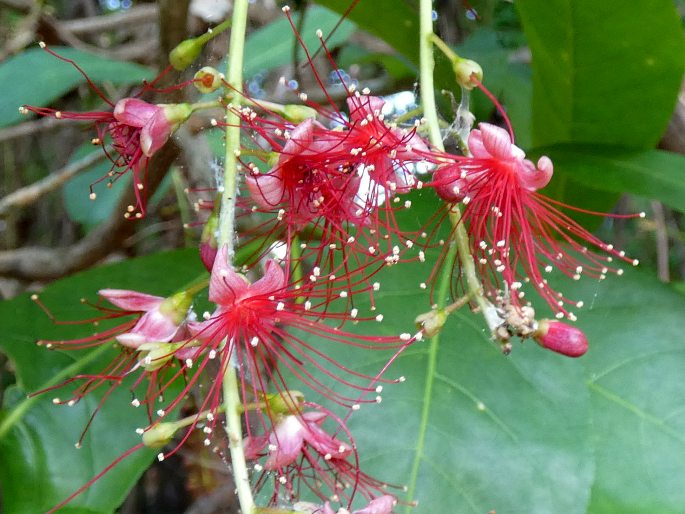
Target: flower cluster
[
  {"x": 322, "y": 204},
  {"x": 517, "y": 235}
]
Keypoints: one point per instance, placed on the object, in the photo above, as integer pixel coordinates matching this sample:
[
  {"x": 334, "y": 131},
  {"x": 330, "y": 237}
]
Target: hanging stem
[
  {"x": 231, "y": 393},
  {"x": 430, "y": 113}
]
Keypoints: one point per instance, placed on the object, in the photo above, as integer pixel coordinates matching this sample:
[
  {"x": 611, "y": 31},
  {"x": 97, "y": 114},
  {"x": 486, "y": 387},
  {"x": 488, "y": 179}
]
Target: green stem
[
  {"x": 431, "y": 115},
  {"x": 214, "y": 32},
  {"x": 231, "y": 392},
  {"x": 22, "y": 408}
]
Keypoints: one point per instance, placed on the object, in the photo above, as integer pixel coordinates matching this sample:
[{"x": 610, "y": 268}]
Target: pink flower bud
[{"x": 561, "y": 338}]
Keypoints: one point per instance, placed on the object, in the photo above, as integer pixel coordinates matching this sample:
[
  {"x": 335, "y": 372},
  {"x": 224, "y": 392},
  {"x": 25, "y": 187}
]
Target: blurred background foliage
[{"x": 594, "y": 85}]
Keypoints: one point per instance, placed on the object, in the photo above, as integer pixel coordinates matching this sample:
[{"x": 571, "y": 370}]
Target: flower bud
[
  {"x": 159, "y": 435},
  {"x": 176, "y": 306},
  {"x": 465, "y": 69},
  {"x": 298, "y": 113},
  {"x": 431, "y": 322},
  {"x": 208, "y": 241},
  {"x": 153, "y": 356},
  {"x": 286, "y": 402},
  {"x": 185, "y": 53},
  {"x": 561, "y": 338},
  {"x": 207, "y": 80}
]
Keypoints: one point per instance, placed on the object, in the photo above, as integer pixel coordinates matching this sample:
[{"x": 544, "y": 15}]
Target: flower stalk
[
  {"x": 461, "y": 238},
  {"x": 231, "y": 393}
]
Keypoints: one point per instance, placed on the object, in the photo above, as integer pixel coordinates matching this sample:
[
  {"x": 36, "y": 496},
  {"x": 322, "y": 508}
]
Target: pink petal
[
  {"x": 533, "y": 178},
  {"x": 155, "y": 133},
  {"x": 497, "y": 142},
  {"x": 134, "y": 112},
  {"x": 225, "y": 285},
  {"x": 381, "y": 505},
  {"x": 254, "y": 445},
  {"x": 131, "y": 340},
  {"x": 131, "y": 300},
  {"x": 271, "y": 282},
  {"x": 267, "y": 190},
  {"x": 324, "y": 443},
  {"x": 288, "y": 439},
  {"x": 155, "y": 326},
  {"x": 362, "y": 106}
]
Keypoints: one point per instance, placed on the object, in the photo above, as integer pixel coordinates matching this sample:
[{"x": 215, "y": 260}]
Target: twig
[
  {"x": 29, "y": 194},
  {"x": 40, "y": 263},
  {"x": 659, "y": 218},
  {"x": 22, "y": 6},
  {"x": 31, "y": 127},
  {"x": 146, "y": 13}
]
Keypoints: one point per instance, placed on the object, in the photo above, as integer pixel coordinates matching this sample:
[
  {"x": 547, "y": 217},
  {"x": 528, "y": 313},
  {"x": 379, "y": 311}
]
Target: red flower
[
  {"x": 518, "y": 235},
  {"x": 260, "y": 324}
]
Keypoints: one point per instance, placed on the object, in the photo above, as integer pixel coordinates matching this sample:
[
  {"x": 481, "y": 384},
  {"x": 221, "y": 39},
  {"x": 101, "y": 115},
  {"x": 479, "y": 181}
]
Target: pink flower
[
  {"x": 291, "y": 438},
  {"x": 138, "y": 129},
  {"x": 518, "y": 235},
  {"x": 156, "y": 122},
  {"x": 160, "y": 320}
]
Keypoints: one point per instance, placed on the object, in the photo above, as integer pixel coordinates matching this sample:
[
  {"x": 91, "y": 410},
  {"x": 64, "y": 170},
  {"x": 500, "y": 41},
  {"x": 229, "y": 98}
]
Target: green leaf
[
  {"x": 39, "y": 448},
  {"x": 603, "y": 72},
  {"x": 76, "y": 192},
  {"x": 634, "y": 373},
  {"x": 394, "y": 21},
  {"x": 471, "y": 430},
  {"x": 35, "y": 77},
  {"x": 272, "y": 46},
  {"x": 653, "y": 174}
]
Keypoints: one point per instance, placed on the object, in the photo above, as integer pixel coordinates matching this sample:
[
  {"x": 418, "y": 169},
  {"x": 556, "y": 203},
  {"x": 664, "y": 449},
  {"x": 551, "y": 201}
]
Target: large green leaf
[
  {"x": 394, "y": 21},
  {"x": 471, "y": 430},
  {"x": 634, "y": 373},
  {"x": 653, "y": 174},
  {"x": 35, "y": 77},
  {"x": 603, "y": 72},
  {"x": 272, "y": 46},
  {"x": 39, "y": 448}
]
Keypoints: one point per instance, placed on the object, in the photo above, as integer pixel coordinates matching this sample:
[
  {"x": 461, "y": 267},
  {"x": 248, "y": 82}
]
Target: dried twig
[
  {"x": 146, "y": 13},
  {"x": 40, "y": 263},
  {"x": 29, "y": 194}
]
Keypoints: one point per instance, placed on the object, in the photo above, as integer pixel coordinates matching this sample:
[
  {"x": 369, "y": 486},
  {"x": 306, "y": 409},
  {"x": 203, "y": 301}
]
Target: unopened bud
[
  {"x": 286, "y": 402},
  {"x": 561, "y": 338},
  {"x": 207, "y": 80},
  {"x": 159, "y": 435},
  {"x": 208, "y": 240},
  {"x": 176, "y": 306},
  {"x": 431, "y": 322},
  {"x": 153, "y": 356},
  {"x": 185, "y": 53},
  {"x": 466, "y": 70},
  {"x": 298, "y": 113},
  {"x": 177, "y": 113}
]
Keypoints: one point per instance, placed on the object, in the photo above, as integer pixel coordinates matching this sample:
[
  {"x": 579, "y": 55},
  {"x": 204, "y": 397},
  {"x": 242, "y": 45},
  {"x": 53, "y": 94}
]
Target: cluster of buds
[{"x": 323, "y": 191}]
